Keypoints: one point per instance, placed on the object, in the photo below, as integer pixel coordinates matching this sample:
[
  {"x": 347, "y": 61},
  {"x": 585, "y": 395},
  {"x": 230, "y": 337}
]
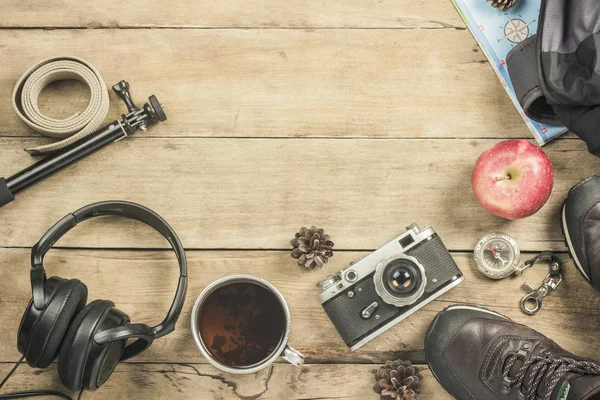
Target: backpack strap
[{"x": 522, "y": 65}]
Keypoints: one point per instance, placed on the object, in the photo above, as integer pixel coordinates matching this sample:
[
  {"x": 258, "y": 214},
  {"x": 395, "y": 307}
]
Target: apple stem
[{"x": 503, "y": 178}]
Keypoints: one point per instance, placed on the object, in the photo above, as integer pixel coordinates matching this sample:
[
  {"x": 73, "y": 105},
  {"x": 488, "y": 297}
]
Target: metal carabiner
[
  {"x": 537, "y": 295},
  {"x": 550, "y": 283}
]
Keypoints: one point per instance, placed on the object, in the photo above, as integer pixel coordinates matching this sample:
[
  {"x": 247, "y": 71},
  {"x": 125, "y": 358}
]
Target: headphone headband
[{"x": 144, "y": 333}]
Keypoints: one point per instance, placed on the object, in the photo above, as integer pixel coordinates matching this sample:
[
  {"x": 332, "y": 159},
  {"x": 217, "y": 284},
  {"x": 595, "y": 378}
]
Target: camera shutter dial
[{"x": 329, "y": 281}]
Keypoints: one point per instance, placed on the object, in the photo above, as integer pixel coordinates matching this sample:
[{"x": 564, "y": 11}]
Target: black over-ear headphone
[{"x": 89, "y": 340}]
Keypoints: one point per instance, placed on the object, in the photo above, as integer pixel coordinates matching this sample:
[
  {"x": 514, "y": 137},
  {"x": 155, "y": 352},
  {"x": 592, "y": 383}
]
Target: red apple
[{"x": 513, "y": 179}]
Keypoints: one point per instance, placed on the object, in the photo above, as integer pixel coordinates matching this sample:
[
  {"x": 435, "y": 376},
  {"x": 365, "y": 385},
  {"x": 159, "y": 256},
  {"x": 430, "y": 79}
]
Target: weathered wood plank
[
  {"x": 255, "y": 193},
  {"x": 202, "y": 382},
  {"x": 142, "y": 284},
  {"x": 233, "y": 13},
  {"x": 280, "y": 83}
]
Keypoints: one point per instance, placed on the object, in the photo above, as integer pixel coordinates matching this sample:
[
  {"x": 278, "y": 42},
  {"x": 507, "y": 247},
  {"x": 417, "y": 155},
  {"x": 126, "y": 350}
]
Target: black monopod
[{"x": 136, "y": 119}]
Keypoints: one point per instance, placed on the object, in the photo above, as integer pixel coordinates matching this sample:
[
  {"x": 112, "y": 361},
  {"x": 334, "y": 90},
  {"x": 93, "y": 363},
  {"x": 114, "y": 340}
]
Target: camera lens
[
  {"x": 401, "y": 277},
  {"x": 400, "y": 280}
]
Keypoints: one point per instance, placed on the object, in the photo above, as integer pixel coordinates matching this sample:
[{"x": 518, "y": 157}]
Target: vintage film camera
[{"x": 388, "y": 285}]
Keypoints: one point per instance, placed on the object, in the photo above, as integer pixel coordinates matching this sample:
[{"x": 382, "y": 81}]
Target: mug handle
[{"x": 293, "y": 356}]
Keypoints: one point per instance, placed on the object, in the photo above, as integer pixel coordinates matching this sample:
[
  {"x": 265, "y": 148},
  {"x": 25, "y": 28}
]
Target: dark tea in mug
[{"x": 242, "y": 324}]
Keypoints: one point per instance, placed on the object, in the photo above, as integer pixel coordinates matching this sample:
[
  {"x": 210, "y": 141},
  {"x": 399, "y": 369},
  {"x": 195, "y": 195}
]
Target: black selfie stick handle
[
  {"x": 135, "y": 119},
  {"x": 6, "y": 196},
  {"x": 69, "y": 155}
]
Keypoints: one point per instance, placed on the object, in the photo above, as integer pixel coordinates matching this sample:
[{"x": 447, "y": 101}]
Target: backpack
[{"x": 556, "y": 73}]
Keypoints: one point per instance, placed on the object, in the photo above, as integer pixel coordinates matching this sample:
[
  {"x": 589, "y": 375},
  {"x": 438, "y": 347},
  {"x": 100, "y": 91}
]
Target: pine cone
[
  {"x": 398, "y": 380},
  {"x": 503, "y": 5},
  {"x": 312, "y": 247}
]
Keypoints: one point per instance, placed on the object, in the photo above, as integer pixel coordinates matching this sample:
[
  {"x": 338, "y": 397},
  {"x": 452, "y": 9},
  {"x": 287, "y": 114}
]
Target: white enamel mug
[{"x": 290, "y": 354}]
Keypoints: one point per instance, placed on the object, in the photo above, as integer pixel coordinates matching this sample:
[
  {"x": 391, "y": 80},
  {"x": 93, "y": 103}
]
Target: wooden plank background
[
  {"x": 358, "y": 116},
  {"x": 229, "y": 14},
  {"x": 151, "y": 279},
  {"x": 286, "y": 82}
]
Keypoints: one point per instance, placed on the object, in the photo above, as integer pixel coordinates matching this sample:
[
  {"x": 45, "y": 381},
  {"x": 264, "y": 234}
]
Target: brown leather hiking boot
[
  {"x": 581, "y": 224},
  {"x": 477, "y": 354}
]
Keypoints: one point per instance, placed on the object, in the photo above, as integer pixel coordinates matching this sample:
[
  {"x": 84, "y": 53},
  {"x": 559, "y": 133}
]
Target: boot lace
[{"x": 535, "y": 369}]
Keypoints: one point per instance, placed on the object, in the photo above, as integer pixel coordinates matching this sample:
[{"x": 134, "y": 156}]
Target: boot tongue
[
  {"x": 516, "y": 367},
  {"x": 575, "y": 386}
]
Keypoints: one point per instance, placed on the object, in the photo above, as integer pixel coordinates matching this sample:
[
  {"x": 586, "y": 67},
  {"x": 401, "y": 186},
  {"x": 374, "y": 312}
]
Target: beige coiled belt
[{"x": 35, "y": 79}]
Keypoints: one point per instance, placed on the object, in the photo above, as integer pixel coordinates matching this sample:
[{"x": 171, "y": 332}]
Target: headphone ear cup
[
  {"x": 83, "y": 363},
  {"x": 42, "y": 331}
]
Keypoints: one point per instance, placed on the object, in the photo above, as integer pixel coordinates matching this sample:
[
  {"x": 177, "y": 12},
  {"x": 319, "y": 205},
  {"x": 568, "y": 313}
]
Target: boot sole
[
  {"x": 567, "y": 241},
  {"x": 457, "y": 307},
  {"x": 474, "y": 308}
]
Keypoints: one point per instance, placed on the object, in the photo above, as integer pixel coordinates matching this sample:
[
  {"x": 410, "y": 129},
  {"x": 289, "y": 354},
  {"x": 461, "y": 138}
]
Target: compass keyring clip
[{"x": 550, "y": 283}]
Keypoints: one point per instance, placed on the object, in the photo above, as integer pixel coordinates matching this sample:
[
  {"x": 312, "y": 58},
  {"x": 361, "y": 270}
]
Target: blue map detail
[{"x": 497, "y": 32}]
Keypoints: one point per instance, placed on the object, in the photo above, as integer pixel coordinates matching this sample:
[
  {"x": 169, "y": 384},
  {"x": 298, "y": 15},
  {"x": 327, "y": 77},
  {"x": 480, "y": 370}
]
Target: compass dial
[
  {"x": 516, "y": 30},
  {"x": 497, "y": 255}
]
